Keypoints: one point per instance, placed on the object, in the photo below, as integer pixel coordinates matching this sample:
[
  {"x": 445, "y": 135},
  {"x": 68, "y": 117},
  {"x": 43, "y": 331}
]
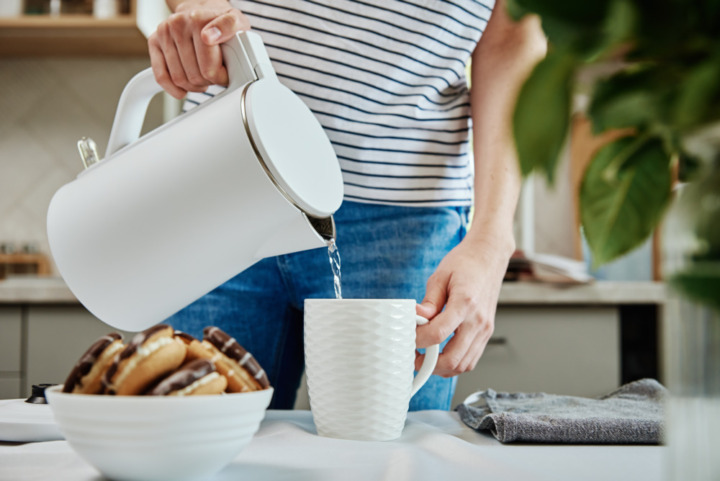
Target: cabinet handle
[{"x": 497, "y": 341}]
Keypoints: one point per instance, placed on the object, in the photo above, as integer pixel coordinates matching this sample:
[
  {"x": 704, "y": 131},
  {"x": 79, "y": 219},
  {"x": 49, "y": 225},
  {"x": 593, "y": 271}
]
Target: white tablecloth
[{"x": 435, "y": 445}]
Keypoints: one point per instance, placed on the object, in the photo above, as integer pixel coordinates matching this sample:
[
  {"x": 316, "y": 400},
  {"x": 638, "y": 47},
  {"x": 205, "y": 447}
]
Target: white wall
[{"x": 46, "y": 106}]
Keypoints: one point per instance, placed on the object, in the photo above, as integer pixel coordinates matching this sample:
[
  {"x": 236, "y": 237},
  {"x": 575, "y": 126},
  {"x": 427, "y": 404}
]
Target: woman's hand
[
  {"x": 467, "y": 284},
  {"x": 185, "y": 49}
]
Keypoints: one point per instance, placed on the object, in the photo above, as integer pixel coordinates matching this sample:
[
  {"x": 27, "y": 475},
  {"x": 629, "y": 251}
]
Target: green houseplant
[
  {"x": 664, "y": 90},
  {"x": 666, "y": 87}
]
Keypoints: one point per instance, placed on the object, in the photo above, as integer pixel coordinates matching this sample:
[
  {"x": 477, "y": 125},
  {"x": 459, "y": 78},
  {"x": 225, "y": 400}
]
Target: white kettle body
[{"x": 166, "y": 218}]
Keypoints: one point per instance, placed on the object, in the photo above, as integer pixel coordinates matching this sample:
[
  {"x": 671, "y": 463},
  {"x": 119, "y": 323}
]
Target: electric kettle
[{"x": 167, "y": 217}]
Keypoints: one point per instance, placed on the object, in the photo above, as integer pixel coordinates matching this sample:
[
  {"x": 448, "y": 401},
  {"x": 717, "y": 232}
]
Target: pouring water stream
[{"x": 334, "y": 256}]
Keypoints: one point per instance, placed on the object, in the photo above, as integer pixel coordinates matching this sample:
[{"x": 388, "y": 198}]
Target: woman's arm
[{"x": 467, "y": 282}]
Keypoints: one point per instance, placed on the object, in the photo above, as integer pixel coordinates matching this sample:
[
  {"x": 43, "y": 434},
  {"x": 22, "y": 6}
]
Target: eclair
[
  {"x": 241, "y": 369},
  {"x": 86, "y": 376},
  {"x": 191, "y": 343},
  {"x": 151, "y": 355},
  {"x": 194, "y": 378}
]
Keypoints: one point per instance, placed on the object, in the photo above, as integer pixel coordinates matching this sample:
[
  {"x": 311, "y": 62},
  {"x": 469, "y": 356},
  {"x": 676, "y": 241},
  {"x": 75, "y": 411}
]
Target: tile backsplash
[{"x": 46, "y": 106}]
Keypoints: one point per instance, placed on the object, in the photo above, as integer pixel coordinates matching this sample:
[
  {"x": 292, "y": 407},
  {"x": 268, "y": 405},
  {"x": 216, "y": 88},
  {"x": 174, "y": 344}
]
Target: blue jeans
[{"x": 387, "y": 252}]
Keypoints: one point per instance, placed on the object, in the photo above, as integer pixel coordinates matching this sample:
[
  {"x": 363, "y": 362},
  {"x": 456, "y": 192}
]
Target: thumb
[
  {"x": 222, "y": 28},
  {"x": 435, "y": 296}
]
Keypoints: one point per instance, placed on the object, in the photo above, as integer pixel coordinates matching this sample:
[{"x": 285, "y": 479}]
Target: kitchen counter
[
  {"x": 581, "y": 340},
  {"x": 53, "y": 290},
  {"x": 435, "y": 445},
  {"x": 35, "y": 290}
]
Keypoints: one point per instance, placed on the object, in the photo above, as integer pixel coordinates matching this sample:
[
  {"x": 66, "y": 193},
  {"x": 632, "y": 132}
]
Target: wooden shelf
[
  {"x": 70, "y": 35},
  {"x": 24, "y": 264},
  {"x": 61, "y": 22}
]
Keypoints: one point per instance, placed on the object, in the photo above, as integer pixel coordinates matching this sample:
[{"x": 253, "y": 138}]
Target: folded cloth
[{"x": 631, "y": 415}]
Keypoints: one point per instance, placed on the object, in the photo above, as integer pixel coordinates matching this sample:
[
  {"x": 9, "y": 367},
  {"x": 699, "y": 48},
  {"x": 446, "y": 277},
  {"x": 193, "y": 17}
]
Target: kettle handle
[{"x": 244, "y": 56}]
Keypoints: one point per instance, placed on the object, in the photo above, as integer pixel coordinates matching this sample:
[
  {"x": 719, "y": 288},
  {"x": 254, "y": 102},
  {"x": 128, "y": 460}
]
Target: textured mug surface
[{"x": 360, "y": 358}]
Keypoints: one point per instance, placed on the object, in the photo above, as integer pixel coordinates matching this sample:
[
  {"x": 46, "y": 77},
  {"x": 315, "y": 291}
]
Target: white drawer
[
  {"x": 10, "y": 387},
  {"x": 57, "y": 337},
  {"x": 559, "y": 350},
  {"x": 10, "y": 338}
]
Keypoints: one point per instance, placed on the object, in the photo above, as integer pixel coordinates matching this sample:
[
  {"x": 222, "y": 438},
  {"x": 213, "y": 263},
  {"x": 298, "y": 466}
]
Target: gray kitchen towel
[{"x": 633, "y": 414}]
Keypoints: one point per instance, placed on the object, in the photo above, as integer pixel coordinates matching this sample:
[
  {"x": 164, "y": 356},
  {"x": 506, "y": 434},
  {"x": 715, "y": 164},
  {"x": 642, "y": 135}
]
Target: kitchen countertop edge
[{"x": 53, "y": 290}]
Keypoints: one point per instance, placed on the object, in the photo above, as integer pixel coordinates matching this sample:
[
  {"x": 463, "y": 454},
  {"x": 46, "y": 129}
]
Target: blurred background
[{"x": 562, "y": 327}]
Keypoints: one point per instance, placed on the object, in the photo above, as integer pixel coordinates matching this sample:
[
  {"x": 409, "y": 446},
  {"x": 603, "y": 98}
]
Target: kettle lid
[{"x": 293, "y": 147}]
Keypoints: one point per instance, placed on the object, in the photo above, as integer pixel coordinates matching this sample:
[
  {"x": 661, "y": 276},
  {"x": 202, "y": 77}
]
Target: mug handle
[{"x": 431, "y": 357}]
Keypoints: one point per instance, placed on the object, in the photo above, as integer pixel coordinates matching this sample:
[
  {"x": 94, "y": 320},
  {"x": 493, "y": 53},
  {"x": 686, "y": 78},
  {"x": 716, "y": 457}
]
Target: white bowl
[{"x": 148, "y": 438}]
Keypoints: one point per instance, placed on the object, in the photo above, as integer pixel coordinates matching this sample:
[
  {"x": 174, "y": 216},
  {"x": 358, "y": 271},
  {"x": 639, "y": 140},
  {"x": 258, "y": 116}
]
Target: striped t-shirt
[{"x": 386, "y": 79}]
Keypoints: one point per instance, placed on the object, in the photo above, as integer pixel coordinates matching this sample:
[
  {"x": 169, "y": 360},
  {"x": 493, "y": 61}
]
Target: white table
[{"x": 435, "y": 446}]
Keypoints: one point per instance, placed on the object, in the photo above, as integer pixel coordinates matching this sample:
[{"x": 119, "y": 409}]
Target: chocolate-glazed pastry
[
  {"x": 194, "y": 378},
  {"x": 150, "y": 355},
  {"x": 242, "y": 371},
  {"x": 232, "y": 349},
  {"x": 86, "y": 375},
  {"x": 191, "y": 343},
  {"x": 185, "y": 337}
]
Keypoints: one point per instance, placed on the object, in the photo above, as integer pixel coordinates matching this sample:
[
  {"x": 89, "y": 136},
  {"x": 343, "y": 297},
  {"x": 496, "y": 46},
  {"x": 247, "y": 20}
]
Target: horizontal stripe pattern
[{"x": 386, "y": 79}]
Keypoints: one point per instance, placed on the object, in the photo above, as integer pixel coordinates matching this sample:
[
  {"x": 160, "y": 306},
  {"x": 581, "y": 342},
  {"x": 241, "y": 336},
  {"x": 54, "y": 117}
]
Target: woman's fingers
[
  {"x": 185, "y": 51},
  {"x": 160, "y": 69},
  {"x": 222, "y": 28}
]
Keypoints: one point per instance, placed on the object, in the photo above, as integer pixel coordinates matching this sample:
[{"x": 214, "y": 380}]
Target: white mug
[{"x": 359, "y": 360}]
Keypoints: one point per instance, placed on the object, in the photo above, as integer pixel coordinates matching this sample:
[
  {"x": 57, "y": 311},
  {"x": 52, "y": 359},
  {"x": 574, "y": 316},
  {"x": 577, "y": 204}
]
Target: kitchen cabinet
[
  {"x": 566, "y": 350},
  {"x": 580, "y": 340},
  {"x": 11, "y": 342},
  {"x": 10, "y": 386},
  {"x": 56, "y": 338},
  {"x": 81, "y": 35},
  {"x": 561, "y": 350}
]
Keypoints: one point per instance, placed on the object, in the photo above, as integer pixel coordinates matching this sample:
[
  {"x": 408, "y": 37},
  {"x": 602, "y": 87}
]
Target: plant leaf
[
  {"x": 572, "y": 12},
  {"x": 515, "y": 10},
  {"x": 631, "y": 98},
  {"x": 699, "y": 98},
  {"x": 688, "y": 167},
  {"x": 623, "y": 195},
  {"x": 700, "y": 282},
  {"x": 572, "y": 25},
  {"x": 666, "y": 27},
  {"x": 542, "y": 114},
  {"x": 700, "y": 202},
  {"x": 620, "y": 23}
]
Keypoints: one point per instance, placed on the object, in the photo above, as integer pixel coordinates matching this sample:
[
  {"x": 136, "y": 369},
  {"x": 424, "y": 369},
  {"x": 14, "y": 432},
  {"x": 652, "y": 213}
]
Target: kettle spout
[
  {"x": 301, "y": 232},
  {"x": 324, "y": 226}
]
